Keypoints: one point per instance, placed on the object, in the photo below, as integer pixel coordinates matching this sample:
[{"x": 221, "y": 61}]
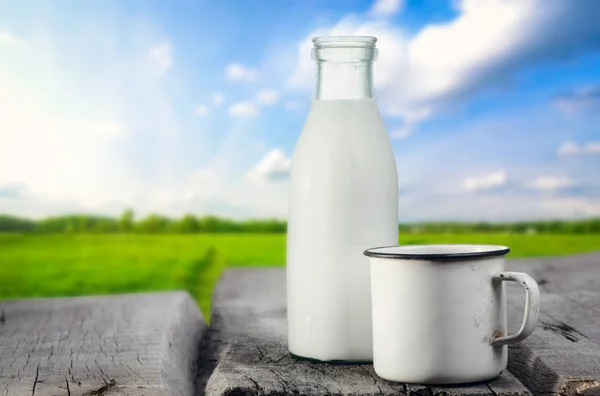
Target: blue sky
[{"x": 493, "y": 107}]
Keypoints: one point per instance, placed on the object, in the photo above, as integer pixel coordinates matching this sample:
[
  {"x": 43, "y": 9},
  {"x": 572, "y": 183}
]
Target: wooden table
[{"x": 158, "y": 343}]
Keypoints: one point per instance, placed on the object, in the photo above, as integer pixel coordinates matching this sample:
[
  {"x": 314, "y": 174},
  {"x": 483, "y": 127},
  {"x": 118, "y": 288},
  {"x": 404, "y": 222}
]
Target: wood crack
[
  {"x": 491, "y": 390},
  {"x": 563, "y": 329},
  {"x": 137, "y": 357},
  {"x": 103, "y": 389},
  {"x": 258, "y": 388},
  {"x": 260, "y": 354},
  {"x": 104, "y": 376},
  {"x": 68, "y": 389},
  {"x": 35, "y": 381},
  {"x": 373, "y": 377},
  {"x": 138, "y": 375},
  {"x": 282, "y": 381}
]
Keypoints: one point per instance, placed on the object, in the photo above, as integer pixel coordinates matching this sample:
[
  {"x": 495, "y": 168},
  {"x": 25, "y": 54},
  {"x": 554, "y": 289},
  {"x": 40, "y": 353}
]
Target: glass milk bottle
[{"x": 343, "y": 200}]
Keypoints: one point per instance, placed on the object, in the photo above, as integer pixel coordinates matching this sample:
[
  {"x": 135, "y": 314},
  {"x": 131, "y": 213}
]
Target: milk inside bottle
[{"x": 343, "y": 200}]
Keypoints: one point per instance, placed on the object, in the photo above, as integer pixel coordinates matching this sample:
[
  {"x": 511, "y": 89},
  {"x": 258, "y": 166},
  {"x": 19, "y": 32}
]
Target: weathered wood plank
[
  {"x": 140, "y": 344},
  {"x": 562, "y": 356},
  {"x": 249, "y": 326},
  {"x": 562, "y": 274}
]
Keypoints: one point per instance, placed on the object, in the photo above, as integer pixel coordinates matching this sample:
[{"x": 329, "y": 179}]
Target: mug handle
[{"x": 532, "y": 306}]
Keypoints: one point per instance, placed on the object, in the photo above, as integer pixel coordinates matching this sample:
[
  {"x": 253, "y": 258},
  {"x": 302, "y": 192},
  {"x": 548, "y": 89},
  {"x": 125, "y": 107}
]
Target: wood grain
[
  {"x": 562, "y": 275},
  {"x": 563, "y": 354},
  {"x": 144, "y": 344}
]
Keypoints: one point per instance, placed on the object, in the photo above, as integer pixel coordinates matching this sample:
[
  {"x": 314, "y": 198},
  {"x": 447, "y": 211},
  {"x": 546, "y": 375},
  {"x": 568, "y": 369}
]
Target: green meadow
[{"x": 35, "y": 265}]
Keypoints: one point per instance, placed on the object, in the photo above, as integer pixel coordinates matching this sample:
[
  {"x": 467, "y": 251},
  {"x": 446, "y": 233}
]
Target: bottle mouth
[
  {"x": 344, "y": 49},
  {"x": 345, "y": 41}
]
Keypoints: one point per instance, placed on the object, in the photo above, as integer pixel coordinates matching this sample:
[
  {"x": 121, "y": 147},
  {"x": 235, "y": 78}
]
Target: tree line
[
  {"x": 155, "y": 223},
  {"x": 584, "y": 226},
  {"x": 126, "y": 223}
]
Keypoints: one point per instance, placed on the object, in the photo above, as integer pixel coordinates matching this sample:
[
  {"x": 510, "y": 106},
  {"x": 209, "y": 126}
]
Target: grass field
[{"x": 67, "y": 265}]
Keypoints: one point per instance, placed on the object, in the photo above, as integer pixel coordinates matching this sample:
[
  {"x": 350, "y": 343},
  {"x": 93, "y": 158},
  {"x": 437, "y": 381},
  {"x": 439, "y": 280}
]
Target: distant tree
[
  {"x": 266, "y": 226},
  {"x": 482, "y": 227},
  {"x": 152, "y": 223},
  {"x": 126, "y": 221},
  {"x": 105, "y": 225},
  {"x": 590, "y": 226},
  {"x": 15, "y": 224},
  {"x": 210, "y": 224},
  {"x": 70, "y": 228},
  {"x": 188, "y": 223},
  {"x": 83, "y": 223},
  {"x": 518, "y": 228}
]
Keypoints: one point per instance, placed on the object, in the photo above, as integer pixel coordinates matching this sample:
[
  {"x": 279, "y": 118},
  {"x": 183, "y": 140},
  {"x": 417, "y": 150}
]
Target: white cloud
[
  {"x": 243, "y": 109},
  {"x": 108, "y": 129},
  {"x": 204, "y": 183},
  {"x": 571, "y": 148},
  {"x": 75, "y": 151},
  {"x": 202, "y": 110},
  {"x": 8, "y": 39},
  {"x": 579, "y": 99},
  {"x": 551, "y": 183},
  {"x": 387, "y": 7},
  {"x": 571, "y": 207},
  {"x": 593, "y": 147},
  {"x": 411, "y": 118},
  {"x": 12, "y": 190},
  {"x": 268, "y": 96},
  {"x": 485, "y": 182},
  {"x": 237, "y": 72},
  {"x": 55, "y": 154},
  {"x": 160, "y": 55},
  {"x": 218, "y": 98},
  {"x": 401, "y": 133},
  {"x": 275, "y": 165},
  {"x": 486, "y": 44}
]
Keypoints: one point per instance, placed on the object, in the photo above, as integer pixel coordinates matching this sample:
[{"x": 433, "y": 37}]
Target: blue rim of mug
[{"x": 482, "y": 252}]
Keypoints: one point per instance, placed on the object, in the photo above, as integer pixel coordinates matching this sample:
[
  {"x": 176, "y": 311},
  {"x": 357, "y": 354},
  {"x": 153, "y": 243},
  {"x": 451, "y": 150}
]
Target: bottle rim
[{"x": 345, "y": 41}]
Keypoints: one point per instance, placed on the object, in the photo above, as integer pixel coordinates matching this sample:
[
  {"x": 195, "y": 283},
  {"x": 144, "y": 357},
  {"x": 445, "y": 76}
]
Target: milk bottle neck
[
  {"x": 345, "y": 67},
  {"x": 341, "y": 80}
]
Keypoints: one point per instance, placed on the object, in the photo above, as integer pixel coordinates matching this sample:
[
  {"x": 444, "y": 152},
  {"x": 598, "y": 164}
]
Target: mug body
[{"x": 434, "y": 319}]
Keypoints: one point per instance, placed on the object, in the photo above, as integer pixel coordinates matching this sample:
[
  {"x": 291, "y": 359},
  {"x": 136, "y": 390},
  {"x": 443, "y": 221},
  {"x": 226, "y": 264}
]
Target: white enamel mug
[{"x": 439, "y": 312}]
